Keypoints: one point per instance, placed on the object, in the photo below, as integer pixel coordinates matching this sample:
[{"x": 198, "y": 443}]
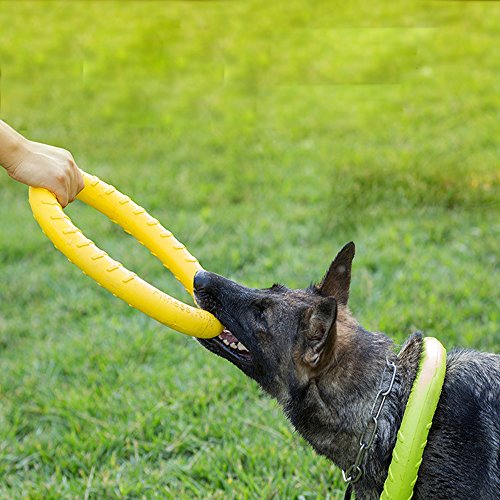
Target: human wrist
[{"x": 13, "y": 146}]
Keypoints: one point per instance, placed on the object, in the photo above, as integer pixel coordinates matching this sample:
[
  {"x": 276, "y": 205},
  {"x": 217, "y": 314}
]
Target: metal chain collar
[{"x": 354, "y": 473}]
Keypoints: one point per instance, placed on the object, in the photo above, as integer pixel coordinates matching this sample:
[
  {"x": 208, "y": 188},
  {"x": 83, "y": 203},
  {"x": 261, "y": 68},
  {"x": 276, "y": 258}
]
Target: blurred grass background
[{"x": 264, "y": 135}]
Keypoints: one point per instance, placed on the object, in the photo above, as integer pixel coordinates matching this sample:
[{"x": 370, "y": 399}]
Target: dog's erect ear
[
  {"x": 320, "y": 333},
  {"x": 338, "y": 278}
]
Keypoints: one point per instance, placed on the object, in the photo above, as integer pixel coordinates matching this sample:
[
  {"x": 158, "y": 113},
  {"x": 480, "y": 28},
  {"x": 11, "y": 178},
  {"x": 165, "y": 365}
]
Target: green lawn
[{"x": 264, "y": 135}]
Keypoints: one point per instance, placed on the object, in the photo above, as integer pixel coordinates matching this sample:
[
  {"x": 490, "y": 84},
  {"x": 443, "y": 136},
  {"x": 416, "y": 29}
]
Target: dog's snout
[{"x": 201, "y": 280}]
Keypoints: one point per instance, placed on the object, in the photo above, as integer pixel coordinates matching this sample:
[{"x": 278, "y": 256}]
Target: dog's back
[{"x": 462, "y": 457}]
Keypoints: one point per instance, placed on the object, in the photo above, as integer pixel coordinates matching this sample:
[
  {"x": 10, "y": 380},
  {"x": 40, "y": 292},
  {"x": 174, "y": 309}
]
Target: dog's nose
[{"x": 201, "y": 280}]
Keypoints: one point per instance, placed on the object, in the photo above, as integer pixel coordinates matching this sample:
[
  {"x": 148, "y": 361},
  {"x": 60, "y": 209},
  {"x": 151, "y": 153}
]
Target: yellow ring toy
[{"x": 112, "y": 275}]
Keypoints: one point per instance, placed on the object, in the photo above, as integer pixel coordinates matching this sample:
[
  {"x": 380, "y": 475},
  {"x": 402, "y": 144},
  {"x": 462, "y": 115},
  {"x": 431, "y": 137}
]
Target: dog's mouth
[
  {"x": 231, "y": 342},
  {"x": 228, "y": 346}
]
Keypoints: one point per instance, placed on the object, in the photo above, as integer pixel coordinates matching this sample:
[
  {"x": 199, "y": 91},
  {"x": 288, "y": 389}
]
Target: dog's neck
[{"x": 333, "y": 410}]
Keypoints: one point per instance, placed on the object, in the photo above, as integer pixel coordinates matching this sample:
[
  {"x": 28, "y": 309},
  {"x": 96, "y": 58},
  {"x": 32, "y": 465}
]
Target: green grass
[{"x": 264, "y": 135}]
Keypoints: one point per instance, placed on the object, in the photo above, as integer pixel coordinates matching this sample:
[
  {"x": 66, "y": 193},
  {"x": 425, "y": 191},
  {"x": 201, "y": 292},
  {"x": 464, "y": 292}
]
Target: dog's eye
[{"x": 260, "y": 312}]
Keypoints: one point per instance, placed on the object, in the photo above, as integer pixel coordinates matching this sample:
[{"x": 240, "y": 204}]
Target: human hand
[{"x": 50, "y": 167}]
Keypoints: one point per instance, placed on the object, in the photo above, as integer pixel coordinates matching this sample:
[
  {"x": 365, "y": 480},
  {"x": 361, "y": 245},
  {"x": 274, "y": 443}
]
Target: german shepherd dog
[{"x": 305, "y": 349}]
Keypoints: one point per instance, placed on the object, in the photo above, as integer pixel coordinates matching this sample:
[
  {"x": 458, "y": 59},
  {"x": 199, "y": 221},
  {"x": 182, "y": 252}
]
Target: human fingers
[
  {"x": 61, "y": 195},
  {"x": 76, "y": 181}
]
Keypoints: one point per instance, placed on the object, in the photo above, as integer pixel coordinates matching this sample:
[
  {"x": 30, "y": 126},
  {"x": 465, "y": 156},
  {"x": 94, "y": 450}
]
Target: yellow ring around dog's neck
[
  {"x": 111, "y": 274},
  {"x": 416, "y": 423}
]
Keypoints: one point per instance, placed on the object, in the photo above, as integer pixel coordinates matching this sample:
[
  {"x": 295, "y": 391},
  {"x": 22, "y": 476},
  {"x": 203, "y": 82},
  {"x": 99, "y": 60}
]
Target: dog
[{"x": 304, "y": 348}]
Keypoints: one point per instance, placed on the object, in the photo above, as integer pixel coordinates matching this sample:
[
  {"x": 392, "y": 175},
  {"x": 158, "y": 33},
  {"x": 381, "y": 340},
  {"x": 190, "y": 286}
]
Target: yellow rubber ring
[{"x": 110, "y": 273}]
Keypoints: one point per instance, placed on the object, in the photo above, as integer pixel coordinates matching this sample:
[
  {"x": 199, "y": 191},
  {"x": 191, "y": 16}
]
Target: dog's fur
[{"x": 306, "y": 350}]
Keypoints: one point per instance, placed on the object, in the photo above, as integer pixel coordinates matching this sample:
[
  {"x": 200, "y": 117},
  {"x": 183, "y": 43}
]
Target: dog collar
[{"x": 416, "y": 423}]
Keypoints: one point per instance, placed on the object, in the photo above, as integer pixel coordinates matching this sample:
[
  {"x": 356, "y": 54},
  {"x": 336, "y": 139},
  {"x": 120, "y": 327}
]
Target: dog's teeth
[
  {"x": 232, "y": 345},
  {"x": 225, "y": 341},
  {"x": 241, "y": 347}
]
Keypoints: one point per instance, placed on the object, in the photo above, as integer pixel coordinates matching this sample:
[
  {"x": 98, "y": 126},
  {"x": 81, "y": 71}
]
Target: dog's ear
[
  {"x": 319, "y": 333},
  {"x": 338, "y": 278}
]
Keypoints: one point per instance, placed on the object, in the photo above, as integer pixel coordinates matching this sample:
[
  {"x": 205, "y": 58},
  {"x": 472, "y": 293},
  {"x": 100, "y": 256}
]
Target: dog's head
[{"x": 282, "y": 338}]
